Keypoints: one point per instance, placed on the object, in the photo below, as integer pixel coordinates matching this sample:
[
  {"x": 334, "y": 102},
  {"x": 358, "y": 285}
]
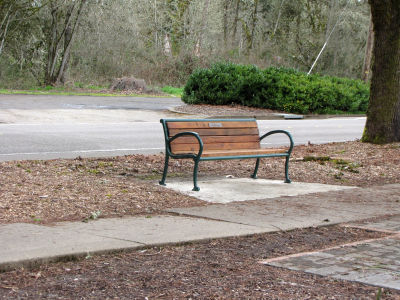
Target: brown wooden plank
[
  {"x": 216, "y": 146},
  {"x": 212, "y": 124},
  {"x": 217, "y": 139},
  {"x": 217, "y": 131},
  {"x": 236, "y": 152}
]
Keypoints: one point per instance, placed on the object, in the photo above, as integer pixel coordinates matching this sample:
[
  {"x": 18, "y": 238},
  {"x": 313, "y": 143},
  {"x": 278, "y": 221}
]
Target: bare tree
[
  {"x": 13, "y": 13},
  {"x": 63, "y": 27},
  {"x": 119, "y": 38},
  {"x": 368, "y": 53},
  {"x": 199, "y": 44}
]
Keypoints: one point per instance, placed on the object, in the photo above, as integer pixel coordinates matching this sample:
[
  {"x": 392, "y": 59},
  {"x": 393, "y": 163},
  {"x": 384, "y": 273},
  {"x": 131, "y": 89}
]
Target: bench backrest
[{"x": 215, "y": 134}]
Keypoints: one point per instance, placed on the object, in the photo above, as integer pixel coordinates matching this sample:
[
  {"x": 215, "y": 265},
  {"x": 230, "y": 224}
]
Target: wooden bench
[{"x": 218, "y": 139}]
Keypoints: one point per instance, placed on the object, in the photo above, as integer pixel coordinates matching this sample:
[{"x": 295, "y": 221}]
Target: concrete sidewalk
[{"x": 28, "y": 245}]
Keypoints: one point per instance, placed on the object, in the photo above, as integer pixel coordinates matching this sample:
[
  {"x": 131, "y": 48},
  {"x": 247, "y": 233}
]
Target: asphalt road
[
  {"x": 38, "y": 132},
  {"x": 48, "y": 102}
]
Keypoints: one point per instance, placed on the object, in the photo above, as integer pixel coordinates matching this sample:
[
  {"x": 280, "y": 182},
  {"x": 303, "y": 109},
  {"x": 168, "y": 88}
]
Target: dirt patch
[
  {"x": 219, "y": 269},
  {"x": 71, "y": 189}
]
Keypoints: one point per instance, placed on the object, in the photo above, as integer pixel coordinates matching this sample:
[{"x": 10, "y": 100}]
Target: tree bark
[{"x": 383, "y": 116}]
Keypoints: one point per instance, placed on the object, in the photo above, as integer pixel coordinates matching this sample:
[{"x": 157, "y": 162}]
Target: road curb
[{"x": 274, "y": 117}]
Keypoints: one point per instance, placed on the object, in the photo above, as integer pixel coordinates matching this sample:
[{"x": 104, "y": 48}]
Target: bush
[{"x": 283, "y": 89}]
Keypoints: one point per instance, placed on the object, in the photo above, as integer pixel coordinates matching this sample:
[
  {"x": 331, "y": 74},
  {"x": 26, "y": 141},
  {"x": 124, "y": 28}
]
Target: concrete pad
[
  {"x": 243, "y": 189},
  {"x": 267, "y": 213},
  {"x": 303, "y": 211}
]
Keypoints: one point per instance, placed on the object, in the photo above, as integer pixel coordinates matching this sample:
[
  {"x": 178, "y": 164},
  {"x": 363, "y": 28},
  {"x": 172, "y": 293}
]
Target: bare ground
[{"x": 59, "y": 190}]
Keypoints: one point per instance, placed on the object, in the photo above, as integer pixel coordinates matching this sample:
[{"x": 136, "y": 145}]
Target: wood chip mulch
[
  {"x": 224, "y": 110},
  {"x": 72, "y": 189}
]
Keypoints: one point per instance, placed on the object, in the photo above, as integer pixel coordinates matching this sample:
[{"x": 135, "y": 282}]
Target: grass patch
[
  {"x": 63, "y": 93},
  {"x": 316, "y": 158},
  {"x": 172, "y": 91}
]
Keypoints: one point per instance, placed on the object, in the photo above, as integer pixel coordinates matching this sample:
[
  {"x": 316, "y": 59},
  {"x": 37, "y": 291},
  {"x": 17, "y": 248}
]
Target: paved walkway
[
  {"x": 374, "y": 262},
  {"x": 27, "y": 245}
]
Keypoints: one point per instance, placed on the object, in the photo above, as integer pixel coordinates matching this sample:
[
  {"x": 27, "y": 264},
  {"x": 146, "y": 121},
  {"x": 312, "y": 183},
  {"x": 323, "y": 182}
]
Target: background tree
[
  {"x": 13, "y": 14},
  {"x": 383, "y": 114},
  {"x": 108, "y": 39},
  {"x": 59, "y": 34}
]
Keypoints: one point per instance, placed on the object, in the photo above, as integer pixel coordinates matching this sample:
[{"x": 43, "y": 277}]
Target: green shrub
[{"x": 283, "y": 89}]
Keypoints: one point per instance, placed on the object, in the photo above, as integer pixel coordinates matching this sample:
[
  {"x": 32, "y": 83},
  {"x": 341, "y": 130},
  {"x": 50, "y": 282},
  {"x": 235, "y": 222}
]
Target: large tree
[{"x": 383, "y": 114}]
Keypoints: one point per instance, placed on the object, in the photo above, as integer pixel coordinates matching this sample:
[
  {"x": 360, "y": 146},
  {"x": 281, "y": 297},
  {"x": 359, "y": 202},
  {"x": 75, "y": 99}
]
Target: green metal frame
[{"x": 197, "y": 157}]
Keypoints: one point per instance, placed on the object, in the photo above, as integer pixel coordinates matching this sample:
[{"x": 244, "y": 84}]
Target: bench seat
[{"x": 235, "y": 152}]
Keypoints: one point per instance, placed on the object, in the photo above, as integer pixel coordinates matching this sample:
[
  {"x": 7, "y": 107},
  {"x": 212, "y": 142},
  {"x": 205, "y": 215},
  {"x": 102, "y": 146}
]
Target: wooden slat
[
  {"x": 216, "y": 139},
  {"x": 217, "y": 131},
  {"x": 210, "y": 124},
  {"x": 215, "y": 146},
  {"x": 236, "y": 152}
]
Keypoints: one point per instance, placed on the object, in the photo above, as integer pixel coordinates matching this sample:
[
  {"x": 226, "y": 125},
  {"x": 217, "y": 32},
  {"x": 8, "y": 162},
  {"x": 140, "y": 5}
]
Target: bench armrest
[
  {"x": 284, "y": 132},
  {"x": 186, "y": 133}
]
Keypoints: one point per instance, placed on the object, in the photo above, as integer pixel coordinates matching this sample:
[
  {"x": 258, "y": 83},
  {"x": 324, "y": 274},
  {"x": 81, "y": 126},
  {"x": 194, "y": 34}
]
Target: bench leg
[
  {"x": 162, "y": 182},
  {"x": 256, "y": 169},
  {"x": 287, "y": 170},
  {"x": 196, "y": 167}
]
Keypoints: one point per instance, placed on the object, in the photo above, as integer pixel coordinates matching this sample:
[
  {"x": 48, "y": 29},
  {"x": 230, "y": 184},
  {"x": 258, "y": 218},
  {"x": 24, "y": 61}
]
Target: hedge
[{"x": 282, "y": 89}]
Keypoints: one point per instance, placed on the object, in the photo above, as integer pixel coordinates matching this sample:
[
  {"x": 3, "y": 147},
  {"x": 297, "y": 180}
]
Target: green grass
[
  {"x": 58, "y": 92},
  {"x": 63, "y": 93},
  {"x": 49, "y": 90},
  {"x": 172, "y": 90},
  {"x": 91, "y": 90}
]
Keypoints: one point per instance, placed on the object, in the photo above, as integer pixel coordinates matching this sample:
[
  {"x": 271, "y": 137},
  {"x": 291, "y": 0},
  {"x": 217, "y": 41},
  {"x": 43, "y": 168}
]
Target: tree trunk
[
  {"x": 235, "y": 22},
  {"x": 69, "y": 35},
  {"x": 368, "y": 53},
  {"x": 3, "y": 33},
  {"x": 203, "y": 28},
  {"x": 383, "y": 116},
  {"x": 254, "y": 24},
  {"x": 63, "y": 71},
  {"x": 226, "y": 6},
  {"x": 279, "y": 16},
  {"x": 60, "y": 37},
  {"x": 176, "y": 14}
]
